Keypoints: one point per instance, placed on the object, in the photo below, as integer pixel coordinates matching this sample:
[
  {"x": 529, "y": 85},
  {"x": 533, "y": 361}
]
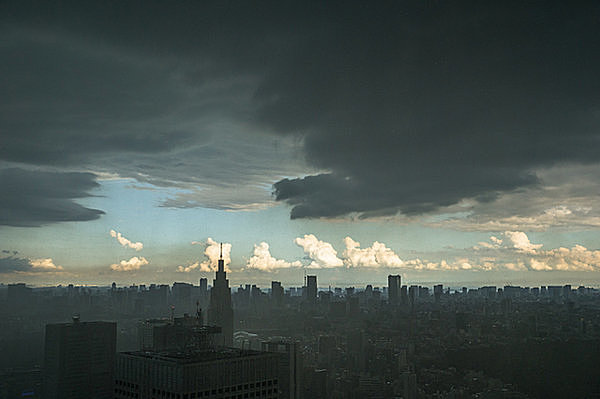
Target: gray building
[
  {"x": 289, "y": 365},
  {"x": 220, "y": 373},
  {"x": 311, "y": 288},
  {"x": 79, "y": 360},
  {"x": 394, "y": 284}
]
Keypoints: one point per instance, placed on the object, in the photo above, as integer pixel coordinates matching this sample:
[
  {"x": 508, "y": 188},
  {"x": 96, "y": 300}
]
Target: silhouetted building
[
  {"x": 555, "y": 291},
  {"x": 289, "y": 365},
  {"x": 18, "y": 294},
  {"x": 158, "y": 296},
  {"x": 490, "y": 291},
  {"x": 79, "y": 360},
  {"x": 221, "y": 373},
  {"x": 438, "y": 290},
  {"x": 368, "y": 291},
  {"x": 276, "y": 293},
  {"x": 567, "y": 291},
  {"x": 181, "y": 334},
  {"x": 182, "y": 296},
  {"x": 404, "y": 295},
  {"x": 413, "y": 294},
  {"x": 220, "y": 311},
  {"x": 394, "y": 284},
  {"x": 325, "y": 297},
  {"x": 311, "y": 288},
  {"x": 203, "y": 286}
]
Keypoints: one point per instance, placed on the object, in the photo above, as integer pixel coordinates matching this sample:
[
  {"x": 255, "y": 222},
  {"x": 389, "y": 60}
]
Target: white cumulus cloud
[
  {"x": 212, "y": 252},
  {"x": 134, "y": 263},
  {"x": 518, "y": 253},
  {"x": 203, "y": 267},
  {"x": 520, "y": 242},
  {"x": 457, "y": 264},
  {"x": 263, "y": 260},
  {"x": 125, "y": 242},
  {"x": 321, "y": 253},
  {"x": 44, "y": 264},
  {"x": 374, "y": 256}
]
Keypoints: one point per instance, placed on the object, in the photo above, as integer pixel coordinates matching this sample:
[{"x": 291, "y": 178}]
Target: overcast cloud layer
[
  {"x": 403, "y": 106},
  {"x": 34, "y": 198}
]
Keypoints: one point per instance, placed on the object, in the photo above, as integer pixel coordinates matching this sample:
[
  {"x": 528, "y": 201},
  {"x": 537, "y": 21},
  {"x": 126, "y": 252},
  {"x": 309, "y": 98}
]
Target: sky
[{"x": 451, "y": 142}]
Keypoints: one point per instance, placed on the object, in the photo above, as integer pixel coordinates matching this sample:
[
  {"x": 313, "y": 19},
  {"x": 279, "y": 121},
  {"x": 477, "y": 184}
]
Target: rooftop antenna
[
  {"x": 221, "y": 263},
  {"x": 305, "y": 277}
]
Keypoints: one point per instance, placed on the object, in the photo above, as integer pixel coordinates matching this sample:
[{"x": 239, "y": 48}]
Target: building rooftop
[{"x": 198, "y": 356}]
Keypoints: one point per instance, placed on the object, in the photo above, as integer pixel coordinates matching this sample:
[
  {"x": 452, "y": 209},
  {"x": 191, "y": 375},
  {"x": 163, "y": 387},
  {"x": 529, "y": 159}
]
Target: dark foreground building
[
  {"x": 220, "y": 373},
  {"x": 79, "y": 360},
  {"x": 289, "y": 365}
]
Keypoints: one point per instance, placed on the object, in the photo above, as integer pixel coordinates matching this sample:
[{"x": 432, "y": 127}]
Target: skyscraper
[
  {"x": 311, "y": 288},
  {"x": 79, "y": 360},
  {"x": 289, "y": 365},
  {"x": 220, "y": 311},
  {"x": 203, "y": 286},
  {"x": 394, "y": 284},
  {"x": 276, "y": 293}
]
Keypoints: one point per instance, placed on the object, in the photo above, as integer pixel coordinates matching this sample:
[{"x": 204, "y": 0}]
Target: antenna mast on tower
[{"x": 305, "y": 277}]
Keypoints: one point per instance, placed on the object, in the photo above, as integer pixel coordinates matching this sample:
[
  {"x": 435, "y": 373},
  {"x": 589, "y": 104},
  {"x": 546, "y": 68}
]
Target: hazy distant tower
[
  {"x": 394, "y": 284},
  {"x": 220, "y": 312}
]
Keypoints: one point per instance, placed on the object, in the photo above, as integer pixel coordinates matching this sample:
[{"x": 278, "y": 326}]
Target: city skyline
[{"x": 448, "y": 143}]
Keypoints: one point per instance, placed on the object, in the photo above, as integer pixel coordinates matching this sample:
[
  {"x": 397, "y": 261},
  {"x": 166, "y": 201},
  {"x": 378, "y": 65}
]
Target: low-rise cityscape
[{"x": 397, "y": 340}]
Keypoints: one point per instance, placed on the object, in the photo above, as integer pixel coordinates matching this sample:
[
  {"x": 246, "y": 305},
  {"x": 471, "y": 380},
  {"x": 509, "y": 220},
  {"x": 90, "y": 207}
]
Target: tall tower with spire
[{"x": 220, "y": 311}]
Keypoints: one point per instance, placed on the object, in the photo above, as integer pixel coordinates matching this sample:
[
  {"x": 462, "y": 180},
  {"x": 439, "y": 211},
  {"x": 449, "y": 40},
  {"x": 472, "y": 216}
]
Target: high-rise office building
[
  {"x": 79, "y": 360},
  {"x": 438, "y": 291},
  {"x": 289, "y": 365},
  {"x": 404, "y": 294},
  {"x": 276, "y": 293},
  {"x": 394, "y": 284},
  {"x": 311, "y": 288},
  {"x": 220, "y": 310},
  {"x": 181, "y": 297},
  {"x": 203, "y": 286}
]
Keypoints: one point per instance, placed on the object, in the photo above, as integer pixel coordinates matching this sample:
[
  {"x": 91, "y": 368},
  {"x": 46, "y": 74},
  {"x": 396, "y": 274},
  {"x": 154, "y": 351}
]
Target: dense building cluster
[{"x": 395, "y": 341}]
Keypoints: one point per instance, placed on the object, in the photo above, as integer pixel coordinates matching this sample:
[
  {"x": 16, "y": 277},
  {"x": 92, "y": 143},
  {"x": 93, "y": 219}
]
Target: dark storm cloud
[
  {"x": 407, "y": 106},
  {"x": 417, "y": 110},
  {"x": 14, "y": 264},
  {"x": 34, "y": 198},
  {"x": 63, "y": 102}
]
